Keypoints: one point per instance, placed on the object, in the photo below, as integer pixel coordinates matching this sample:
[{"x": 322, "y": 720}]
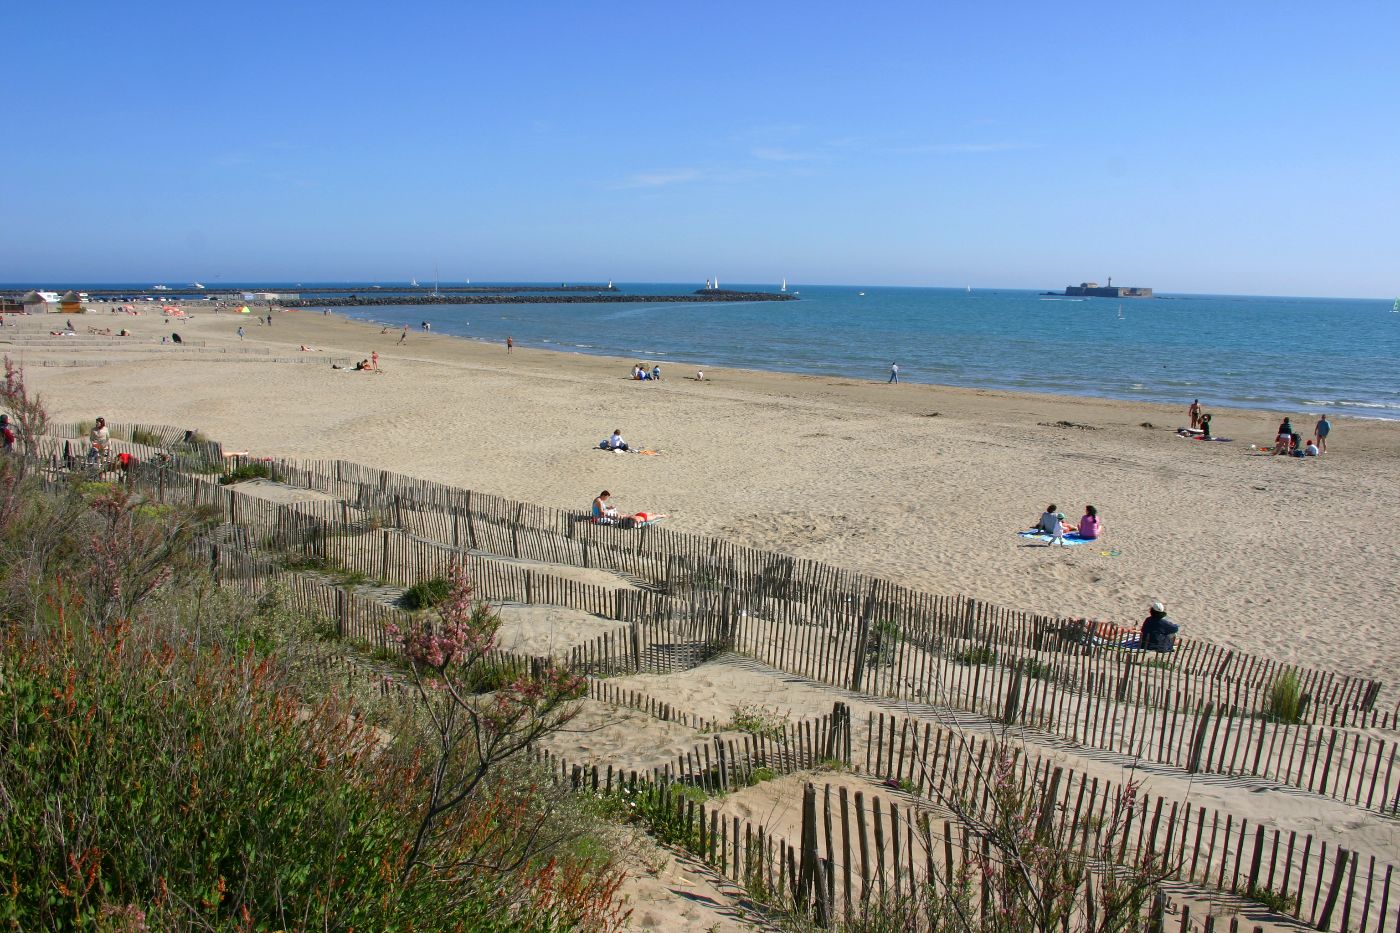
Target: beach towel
[
  {"x": 1192, "y": 434},
  {"x": 1071, "y": 539}
]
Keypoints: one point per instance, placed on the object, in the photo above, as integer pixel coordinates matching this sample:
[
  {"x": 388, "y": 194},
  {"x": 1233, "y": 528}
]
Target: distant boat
[
  {"x": 609, "y": 283},
  {"x": 1395, "y": 308},
  {"x": 1120, "y": 312},
  {"x": 784, "y": 288},
  {"x": 196, "y": 285},
  {"x": 969, "y": 288},
  {"x": 861, "y": 295},
  {"x": 413, "y": 283},
  {"x": 160, "y": 288}
]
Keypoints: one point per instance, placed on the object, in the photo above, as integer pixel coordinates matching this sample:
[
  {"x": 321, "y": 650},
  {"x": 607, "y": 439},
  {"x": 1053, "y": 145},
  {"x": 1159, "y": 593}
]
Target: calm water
[{"x": 1290, "y": 354}]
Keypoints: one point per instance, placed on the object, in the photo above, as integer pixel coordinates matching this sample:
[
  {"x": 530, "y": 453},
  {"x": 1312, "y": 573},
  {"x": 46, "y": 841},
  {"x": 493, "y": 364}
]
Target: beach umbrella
[{"x": 244, "y": 310}]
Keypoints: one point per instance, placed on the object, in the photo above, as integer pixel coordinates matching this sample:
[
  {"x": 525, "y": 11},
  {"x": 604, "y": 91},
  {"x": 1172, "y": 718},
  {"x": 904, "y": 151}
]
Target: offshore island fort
[{"x": 1095, "y": 290}]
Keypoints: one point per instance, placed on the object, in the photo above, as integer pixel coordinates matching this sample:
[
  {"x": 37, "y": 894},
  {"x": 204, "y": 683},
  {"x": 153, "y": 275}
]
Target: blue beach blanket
[{"x": 1071, "y": 539}]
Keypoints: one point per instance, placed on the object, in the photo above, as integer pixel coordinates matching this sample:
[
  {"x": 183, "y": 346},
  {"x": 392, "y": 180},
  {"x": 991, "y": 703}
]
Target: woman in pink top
[{"x": 1089, "y": 526}]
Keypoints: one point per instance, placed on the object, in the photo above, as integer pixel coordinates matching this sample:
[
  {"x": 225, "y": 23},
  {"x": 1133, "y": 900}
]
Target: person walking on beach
[
  {"x": 510, "y": 344},
  {"x": 403, "y": 336},
  {"x": 1195, "y": 412},
  {"x": 1323, "y": 428},
  {"x": 240, "y": 331},
  {"x": 894, "y": 373}
]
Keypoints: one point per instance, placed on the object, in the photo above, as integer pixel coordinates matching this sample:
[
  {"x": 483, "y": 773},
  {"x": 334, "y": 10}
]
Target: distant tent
[{"x": 70, "y": 303}]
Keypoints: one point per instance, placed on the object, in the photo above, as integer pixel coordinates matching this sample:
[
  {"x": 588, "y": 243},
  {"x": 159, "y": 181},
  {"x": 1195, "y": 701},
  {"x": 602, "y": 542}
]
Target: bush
[
  {"x": 142, "y": 436},
  {"x": 246, "y": 471},
  {"x": 166, "y": 766},
  {"x": 425, "y": 594},
  {"x": 1286, "y": 701},
  {"x": 973, "y": 656},
  {"x": 757, "y": 720}
]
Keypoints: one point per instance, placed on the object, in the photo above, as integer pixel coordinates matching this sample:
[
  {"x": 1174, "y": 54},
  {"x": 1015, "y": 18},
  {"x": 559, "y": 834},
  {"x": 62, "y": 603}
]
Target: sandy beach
[{"x": 925, "y": 485}]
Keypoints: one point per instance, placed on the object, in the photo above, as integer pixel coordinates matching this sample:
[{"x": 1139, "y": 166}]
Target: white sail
[{"x": 784, "y": 288}]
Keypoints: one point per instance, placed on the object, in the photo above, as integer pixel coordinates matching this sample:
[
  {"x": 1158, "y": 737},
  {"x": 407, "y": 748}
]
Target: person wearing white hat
[{"x": 1157, "y": 629}]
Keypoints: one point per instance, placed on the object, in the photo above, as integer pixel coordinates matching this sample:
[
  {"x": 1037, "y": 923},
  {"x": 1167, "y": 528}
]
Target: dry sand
[{"x": 923, "y": 484}]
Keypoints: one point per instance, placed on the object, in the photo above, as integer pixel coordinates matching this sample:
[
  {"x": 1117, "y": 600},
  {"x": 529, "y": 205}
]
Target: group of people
[
  {"x": 1200, "y": 420},
  {"x": 640, "y": 372},
  {"x": 370, "y": 365},
  {"x": 1053, "y": 524},
  {"x": 1289, "y": 443}
]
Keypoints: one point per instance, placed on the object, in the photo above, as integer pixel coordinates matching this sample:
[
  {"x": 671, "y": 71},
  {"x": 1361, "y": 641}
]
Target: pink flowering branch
[{"x": 474, "y": 734}]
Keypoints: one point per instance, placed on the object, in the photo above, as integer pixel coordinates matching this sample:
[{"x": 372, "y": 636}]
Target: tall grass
[{"x": 1286, "y": 701}]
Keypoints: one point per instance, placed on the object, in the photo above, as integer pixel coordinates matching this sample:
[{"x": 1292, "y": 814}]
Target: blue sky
[{"x": 1242, "y": 147}]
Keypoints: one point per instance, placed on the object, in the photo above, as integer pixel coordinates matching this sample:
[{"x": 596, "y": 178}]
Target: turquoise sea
[{"x": 1293, "y": 355}]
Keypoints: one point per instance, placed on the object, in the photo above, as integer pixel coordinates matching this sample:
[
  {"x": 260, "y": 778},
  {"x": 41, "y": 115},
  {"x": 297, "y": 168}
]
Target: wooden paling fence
[
  {"x": 1197, "y": 844},
  {"x": 1121, "y": 701},
  {"x": 1028, "y": 682}
]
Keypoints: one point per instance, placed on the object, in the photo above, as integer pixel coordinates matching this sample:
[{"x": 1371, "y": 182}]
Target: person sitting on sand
[
  {"x": 1311, "y": 449},
  {"x": 1089, "y": 525},
  {"x": 699, "y": 375},
  {"x": 361, "y": 366},
  {"x": 1205, "y": 426},
  {"x": 1157, "y": 630},
  {"x": 603, "y": 511},
  {"x": 1295, "y": 444},
  {"x": 616, "y": 442},
  {"x": 1052, "y": 523},
  {"x": 656, "y": 373}
]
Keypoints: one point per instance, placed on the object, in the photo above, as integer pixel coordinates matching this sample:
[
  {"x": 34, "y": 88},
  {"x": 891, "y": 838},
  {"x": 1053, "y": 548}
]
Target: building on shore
[{"x": 1095, "y": 290}]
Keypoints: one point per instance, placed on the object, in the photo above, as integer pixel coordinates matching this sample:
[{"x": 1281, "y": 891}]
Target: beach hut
[
  {"x": 34, "y": 303},
  {"x": 70, "y": 303}
]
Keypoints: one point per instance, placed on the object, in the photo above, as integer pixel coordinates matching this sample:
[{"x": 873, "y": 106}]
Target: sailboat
[
  {"x": 784, "y": 288},
  {"x": 413, "y": 283},
  {"x": 609, "y": 284},
  {"x": 1120, "y": 312},
  {"x": 969, "y": 288},
  {"x": 1395, "y": 308}
]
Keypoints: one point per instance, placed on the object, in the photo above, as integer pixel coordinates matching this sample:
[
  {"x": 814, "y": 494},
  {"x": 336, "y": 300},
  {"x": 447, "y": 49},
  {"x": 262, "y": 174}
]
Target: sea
[{"x": 1292, "y": 355}]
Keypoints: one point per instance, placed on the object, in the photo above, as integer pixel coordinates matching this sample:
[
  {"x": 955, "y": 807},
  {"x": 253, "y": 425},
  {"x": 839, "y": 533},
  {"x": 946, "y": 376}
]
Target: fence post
[
  {"x": 1198, "y": 741},
  {"x": 863, "y": 638},
  {"x": 384, "y": 555},
  {"x": 342, "y": 611},
  {"x": 1334, "y": 888},
  {"x": 1012, "y": 706}
]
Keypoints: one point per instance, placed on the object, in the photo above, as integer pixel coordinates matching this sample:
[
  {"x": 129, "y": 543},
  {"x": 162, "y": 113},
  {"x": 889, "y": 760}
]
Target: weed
[
  {"x": 425, "y": 594},
  {"x": 1276, "y": 901},
  {"x": 1286, "y": 700},
  {"x": 756, "y": 719},
  {"x": 982, "y": 654},
  {"x": 246, "y": 471}
]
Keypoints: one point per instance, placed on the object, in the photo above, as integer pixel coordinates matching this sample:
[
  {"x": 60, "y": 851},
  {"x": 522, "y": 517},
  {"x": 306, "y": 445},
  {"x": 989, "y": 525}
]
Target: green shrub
[
  {"x": 246, "y": 471},
  {"x": 1286, "y": 701},
  {"x": 425, "y": 594},
  {"x": 973, "y": 656},
  {"x": 1279, "y": 903},
  {"x": 142, "y": 436},
  {"x": 756, "y": 719}
]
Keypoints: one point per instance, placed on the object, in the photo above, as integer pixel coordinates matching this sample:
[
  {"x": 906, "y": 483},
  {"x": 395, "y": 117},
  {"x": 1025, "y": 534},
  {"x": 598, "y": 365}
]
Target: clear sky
[{"x": 1249, "y": 147}]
